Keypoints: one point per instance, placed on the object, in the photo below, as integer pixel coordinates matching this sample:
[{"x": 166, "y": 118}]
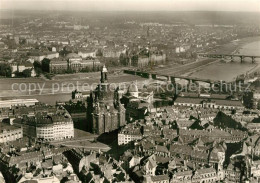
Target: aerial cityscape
[{"x": 129, "y": 91}]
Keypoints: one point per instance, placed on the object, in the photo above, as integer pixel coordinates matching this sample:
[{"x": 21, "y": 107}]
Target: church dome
[{"x": 133, "y": 89}]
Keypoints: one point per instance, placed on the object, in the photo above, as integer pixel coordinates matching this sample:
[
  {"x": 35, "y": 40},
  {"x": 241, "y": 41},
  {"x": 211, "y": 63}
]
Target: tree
[
  {"x": 46, "y": 65},
  {"x": 99, "y": 53},
  {"x": 123, "y": 59},
  {"x": 5, "y": 70},
  {"x": 38, "y": 67},
  {"x": 26, "y": 73},
  {"x": 86, "y": 69},
  {"x": 248, "y": 99}
]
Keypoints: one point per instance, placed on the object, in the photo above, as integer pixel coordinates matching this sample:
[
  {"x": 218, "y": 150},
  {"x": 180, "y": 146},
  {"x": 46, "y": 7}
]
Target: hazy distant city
[{"x": 129, "y": 91}]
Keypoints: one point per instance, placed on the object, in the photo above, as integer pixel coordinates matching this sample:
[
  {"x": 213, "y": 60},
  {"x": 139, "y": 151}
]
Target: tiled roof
[
  {"x": 188, "y": 100},
  {"x": 159, "y": 178},
  {"x": 184, "y": 173},
  {"x": 161, "y": 148}
]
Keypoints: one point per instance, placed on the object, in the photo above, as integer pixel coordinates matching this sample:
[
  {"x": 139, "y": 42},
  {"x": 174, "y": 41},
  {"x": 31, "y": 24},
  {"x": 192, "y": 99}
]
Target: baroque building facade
[{"x": 105, "y": 112}]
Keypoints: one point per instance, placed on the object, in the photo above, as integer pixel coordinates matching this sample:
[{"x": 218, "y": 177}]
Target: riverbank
[
  {"x": 216, "y": 70},
  {"x": 180, "y": 69},
  {"x": 59, "y": 89},
  {"x": 50, "y": 91},
  {"x": 234, "y": 46},
  {"x": 190, "y": 72},
  {"x": 193, "y": 67}
]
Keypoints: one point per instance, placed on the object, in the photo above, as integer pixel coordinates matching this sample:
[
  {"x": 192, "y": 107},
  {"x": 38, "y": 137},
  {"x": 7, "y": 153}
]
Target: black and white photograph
[{"x": 129, "y": 91}]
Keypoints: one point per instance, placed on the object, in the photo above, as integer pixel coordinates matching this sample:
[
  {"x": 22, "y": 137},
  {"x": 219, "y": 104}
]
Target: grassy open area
[{"x": 181, "y": 69}]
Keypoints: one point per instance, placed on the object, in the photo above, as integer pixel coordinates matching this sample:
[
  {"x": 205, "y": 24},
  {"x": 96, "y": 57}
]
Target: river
[
  {"x": 230, "y": 70},
  {"x": 47, "y": 91}
]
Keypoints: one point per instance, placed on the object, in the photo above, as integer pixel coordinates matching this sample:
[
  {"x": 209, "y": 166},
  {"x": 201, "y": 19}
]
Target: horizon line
[{"x": 131, "y": 10}]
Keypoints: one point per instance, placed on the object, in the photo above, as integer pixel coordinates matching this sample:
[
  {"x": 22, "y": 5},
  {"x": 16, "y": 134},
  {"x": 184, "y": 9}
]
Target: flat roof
[
  {"x": 17, "y": 101},
  {"x": 199, "y": 100}
]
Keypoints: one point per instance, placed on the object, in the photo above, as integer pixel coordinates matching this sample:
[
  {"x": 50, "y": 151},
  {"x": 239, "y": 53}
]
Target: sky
[{"x": 133, "y": 5}]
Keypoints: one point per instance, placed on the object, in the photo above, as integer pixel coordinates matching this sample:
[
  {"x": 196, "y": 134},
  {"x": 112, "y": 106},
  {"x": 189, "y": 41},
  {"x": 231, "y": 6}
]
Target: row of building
[
  {"x": 208, "y": 101},
  {"x": 73, "y": 63},
  {"x": 41, "y": 122},
  {"x": 164, "y": 152}
]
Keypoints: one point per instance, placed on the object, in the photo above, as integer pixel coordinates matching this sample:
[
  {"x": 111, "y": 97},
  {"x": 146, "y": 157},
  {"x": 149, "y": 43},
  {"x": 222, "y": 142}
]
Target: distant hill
[{"x": 164, "y": 17}]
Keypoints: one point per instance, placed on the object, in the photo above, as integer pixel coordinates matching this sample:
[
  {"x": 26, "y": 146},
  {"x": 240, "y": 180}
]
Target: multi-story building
[
  {"x": 228, "y": 135},
  {"x": 113, "y": 52},
  {"x": 73, "y": 63},
  {"x": 205, "y": 175},
  {"x": 10, "y": 133},
  {"x": 21, "y": 160},
  {"x": 17, "y": 102},
  {"x": 83, "y": 163},
  {"x": 157, "y": 57},
  {"x": 212, "y": 101},
  {"x": 87, "y": 53},
  {"x": 255, "y": 169},
  {"x": 128, "y": 134},
  {"x": 182, "y": 176},
  {"x": 21, "y": 67},
  {"x": 39, "y": 56},
  {"x": 60, "y": 128},
  {"x": 254, "y": 127},
  {"x": 136, "y": 102},
  {"x": 146, "y": 58},
  {"x": 58, "y": 66},
  {"x": 139, "y": 61},
  {"x": 156, "y": 179},
  {"x": 233, "y": 174},
  {"x": 104, "y": 113},
  {"x": 78, "y": 65},
  {"x": 55, "y": 125}
]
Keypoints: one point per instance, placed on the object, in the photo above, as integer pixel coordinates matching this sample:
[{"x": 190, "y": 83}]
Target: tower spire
[{"x": 103, "y": 75}]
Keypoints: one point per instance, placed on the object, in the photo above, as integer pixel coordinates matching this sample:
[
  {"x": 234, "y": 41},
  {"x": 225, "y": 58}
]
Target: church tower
[
  {"x": 103, "y": 75},
  {"x": 102, "y": 113}
]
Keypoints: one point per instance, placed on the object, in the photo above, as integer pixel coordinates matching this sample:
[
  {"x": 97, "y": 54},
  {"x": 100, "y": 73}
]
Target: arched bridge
[
  {"x": 169, "y": 78},
  {"x": 228, "y": 56}
]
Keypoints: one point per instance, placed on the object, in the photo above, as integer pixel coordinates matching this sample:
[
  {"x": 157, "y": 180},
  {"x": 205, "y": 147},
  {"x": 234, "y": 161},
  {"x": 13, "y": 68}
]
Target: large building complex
[
  {"x": 58, "y": 128},
  {"x": 10, "y": 133},
  {"x": 104, "y": 113},
  {"x": 17, "y": 102},
  {"x": 136, "y": 102},
  {"x": 208, "y": 101},
  {"x": 40, "y": 121},
  {"x": 147, "y": 57},
  {"x": 74, "y": 63},
  {"x": 39, "y": 56}
]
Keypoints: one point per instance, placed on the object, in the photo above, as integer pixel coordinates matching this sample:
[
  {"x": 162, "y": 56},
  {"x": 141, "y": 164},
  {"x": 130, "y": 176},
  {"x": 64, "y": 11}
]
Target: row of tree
[
  {"x": 42, "y": 67},
  {"x": 24, "y": 74}
]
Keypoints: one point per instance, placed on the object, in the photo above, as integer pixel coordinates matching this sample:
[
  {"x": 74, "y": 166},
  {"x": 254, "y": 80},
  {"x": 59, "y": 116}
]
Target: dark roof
[
  {"x": 188, "y": 100},
  {"x": 7, "y": 127},
  {"x": 159, "y": 178},
  {"x": 72, "y": 55}
]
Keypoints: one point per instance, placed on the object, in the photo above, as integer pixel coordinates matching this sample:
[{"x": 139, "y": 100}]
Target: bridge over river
[
  {"x": 170, "y": 78},
  {"x": 228, "y": 56}
]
